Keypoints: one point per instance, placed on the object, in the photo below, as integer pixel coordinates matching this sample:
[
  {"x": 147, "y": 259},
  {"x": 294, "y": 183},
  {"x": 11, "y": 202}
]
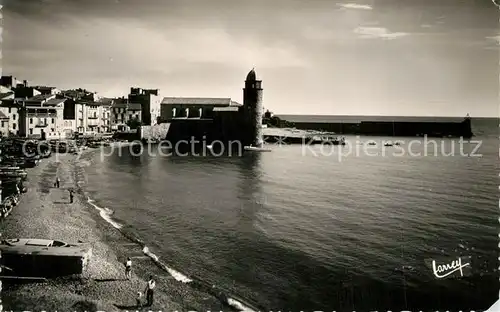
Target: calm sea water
[{"x": 290, "y": 230}]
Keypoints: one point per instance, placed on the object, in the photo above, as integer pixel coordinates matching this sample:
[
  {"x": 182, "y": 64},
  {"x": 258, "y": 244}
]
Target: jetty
[{"x": 395, "y": 126}]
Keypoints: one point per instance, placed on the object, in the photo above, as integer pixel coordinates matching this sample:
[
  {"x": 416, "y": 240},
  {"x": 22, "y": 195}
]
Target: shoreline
[{"x": 44, "y": 212}]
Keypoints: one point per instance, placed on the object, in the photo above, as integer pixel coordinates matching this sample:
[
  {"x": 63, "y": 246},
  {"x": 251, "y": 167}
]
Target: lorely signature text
[{"x": 441, "y": 271}]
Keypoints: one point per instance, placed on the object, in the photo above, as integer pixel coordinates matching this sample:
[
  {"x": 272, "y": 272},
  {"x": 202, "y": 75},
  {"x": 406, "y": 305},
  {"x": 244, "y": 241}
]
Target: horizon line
[{"x": 423, "y": 116}]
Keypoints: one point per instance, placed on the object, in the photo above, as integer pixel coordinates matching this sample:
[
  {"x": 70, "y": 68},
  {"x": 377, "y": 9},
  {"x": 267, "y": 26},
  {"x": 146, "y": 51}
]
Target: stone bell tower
[{"x": 252, "y": 103}]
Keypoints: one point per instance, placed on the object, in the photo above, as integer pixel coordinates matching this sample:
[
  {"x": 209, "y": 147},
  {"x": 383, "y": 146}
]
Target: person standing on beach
[
  {"x": 128, "y": 268},
  {"x": 138, "y": 300},
  {"x": 70, "y": 196},
  {"x": 149, "y": 291}
]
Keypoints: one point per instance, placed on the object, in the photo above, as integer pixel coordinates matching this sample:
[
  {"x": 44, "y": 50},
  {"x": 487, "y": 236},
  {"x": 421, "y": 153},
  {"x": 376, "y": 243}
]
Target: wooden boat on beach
[
  {"x": 14, "y": 174},
  {"x": 44, "y": 257}
]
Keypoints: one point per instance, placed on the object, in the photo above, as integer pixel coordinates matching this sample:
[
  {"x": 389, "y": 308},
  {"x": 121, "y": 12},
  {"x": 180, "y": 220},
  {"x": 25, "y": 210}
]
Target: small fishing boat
[
  {"x": 257, "y": 149},
  {"x": 14, "y": 174}
]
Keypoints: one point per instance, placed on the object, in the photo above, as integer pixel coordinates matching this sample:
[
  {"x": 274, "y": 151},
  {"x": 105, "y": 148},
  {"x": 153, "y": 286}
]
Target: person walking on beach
[
  {"x": 58, "y": 182},
  {"x": 70, "y": 196},
  {"x": 138, "y": 300},
  {"x": 128, "y": 268},
  {"x": 149, "y": 291}
]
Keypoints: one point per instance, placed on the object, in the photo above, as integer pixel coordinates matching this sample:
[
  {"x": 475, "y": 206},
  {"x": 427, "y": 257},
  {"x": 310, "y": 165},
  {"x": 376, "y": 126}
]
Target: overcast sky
[{"x": 371, "y": 57}]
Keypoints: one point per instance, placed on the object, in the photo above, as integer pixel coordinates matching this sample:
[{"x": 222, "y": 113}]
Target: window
[
  {"x": 3, "y": 124},
  {"x": 9, "y": 110},
  {"x": 173, "y": 112},
  {"x": 31, "y": 131},
  {"x": 53, "y": 120},
  {"x": 116, "y": 116},
  {"x": 14, "y": 126},
  {"x": 52, "y": 130},
  {"x": 14, "y": 117},
  {"x": 31, "y": 120},
  {"x": 200, "y": 111}
]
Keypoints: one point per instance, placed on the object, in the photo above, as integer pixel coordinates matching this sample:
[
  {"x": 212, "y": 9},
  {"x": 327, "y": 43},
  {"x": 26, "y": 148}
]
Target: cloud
[
  {"x": 378, "y": 32},
  {"x": 355, "y": 6}
]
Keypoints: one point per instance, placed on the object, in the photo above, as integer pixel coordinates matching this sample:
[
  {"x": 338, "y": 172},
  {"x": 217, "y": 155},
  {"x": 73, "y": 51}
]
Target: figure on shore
[
  {"x": 149, "y": 291},
  {"x": 70, "y": 196},
  {"x": 138, "y": 300},
  {"x": 128, "y": 268},
  {"x": 58, "y": 182}
]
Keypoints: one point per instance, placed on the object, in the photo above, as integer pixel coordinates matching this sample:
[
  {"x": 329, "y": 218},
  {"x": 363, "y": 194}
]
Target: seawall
[{"x": 393, "y": 128}]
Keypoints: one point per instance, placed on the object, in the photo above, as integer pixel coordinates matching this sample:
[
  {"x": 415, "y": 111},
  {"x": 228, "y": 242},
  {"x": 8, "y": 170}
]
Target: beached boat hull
[{"x": 40, "y": 261}]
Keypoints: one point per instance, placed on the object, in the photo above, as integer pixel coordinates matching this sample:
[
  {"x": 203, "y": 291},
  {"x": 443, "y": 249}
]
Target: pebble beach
[{"x": 45, "y": 212}]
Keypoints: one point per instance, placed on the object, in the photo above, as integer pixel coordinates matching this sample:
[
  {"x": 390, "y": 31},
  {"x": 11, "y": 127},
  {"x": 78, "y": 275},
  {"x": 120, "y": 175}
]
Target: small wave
[
  {"x": 184, "y": 279},
  {"x": 105, "y": 213},
  {"x": 238, "y": 305},
  {"x": 175, "y": 274}
]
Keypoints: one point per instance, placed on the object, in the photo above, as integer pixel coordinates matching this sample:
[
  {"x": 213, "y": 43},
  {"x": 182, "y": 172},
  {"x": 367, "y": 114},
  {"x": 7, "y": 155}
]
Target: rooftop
[
  {"x": 54, "y": 102},
  {"x": 2, "y": 116},
  {"x": 196, "y": 101},
  {"x": 5, "y": 89},
  {"x": 40, "y": 97},
  {"x": 106, "y": 101},
  {"x": 6, "y": 95}
]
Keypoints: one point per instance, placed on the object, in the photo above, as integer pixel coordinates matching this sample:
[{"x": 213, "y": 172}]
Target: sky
[{"x": 369, "y": 57}]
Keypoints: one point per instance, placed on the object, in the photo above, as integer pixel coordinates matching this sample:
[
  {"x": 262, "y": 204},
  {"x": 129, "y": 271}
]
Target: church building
[{"x": 220, "y": 119}]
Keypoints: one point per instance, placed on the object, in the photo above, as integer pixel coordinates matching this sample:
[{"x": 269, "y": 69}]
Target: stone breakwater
[{"x": 45, "y": 212}]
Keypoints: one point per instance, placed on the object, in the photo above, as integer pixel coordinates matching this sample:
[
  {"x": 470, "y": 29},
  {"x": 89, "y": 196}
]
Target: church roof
[{"x": 196, "y": 101}]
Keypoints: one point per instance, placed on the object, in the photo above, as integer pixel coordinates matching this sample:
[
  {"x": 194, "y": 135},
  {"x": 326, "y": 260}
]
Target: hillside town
[{"x": 48, "y": 113}]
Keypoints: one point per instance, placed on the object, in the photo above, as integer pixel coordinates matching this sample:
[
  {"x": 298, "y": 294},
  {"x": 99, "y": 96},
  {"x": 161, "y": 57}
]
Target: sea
[{"x": 317, "y": 228}]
